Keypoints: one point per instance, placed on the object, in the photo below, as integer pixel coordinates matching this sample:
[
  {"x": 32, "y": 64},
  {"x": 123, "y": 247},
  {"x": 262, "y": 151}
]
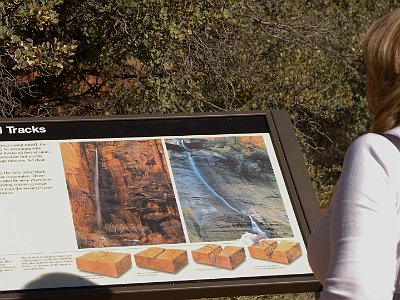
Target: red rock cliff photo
[{"x": 121, "y": 194}]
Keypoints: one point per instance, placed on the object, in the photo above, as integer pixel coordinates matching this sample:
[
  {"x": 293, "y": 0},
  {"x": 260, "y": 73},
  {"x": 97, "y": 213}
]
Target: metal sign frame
[{"x": 286, "y": 147}]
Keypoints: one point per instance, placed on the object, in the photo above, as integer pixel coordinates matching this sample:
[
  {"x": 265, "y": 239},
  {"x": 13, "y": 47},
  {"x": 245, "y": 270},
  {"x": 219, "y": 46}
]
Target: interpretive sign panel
[{"x": 197, "y": 202}]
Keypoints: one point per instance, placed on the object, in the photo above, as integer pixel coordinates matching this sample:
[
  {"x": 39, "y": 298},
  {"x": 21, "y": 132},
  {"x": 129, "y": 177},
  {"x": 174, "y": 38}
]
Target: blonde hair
[{"x": 381, "y": 46}]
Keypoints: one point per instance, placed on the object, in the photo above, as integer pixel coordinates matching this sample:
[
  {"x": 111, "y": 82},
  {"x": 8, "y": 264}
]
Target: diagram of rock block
[
  {"x": 229, "y": 257},
  {"x": 160, "y": 259},
  {"x": 285, "y": 252},
  {"x": 104, "y": 263}
]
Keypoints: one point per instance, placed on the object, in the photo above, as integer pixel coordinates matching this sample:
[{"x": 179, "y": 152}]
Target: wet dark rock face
[
  {"x": 217, "y": 203},
  {"x": 136, "y": 199}
]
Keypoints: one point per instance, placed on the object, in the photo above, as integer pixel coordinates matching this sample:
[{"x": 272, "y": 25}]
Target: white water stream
[
  {"x": 97, "y": 192},
  {"x": 255, "y": 228}
]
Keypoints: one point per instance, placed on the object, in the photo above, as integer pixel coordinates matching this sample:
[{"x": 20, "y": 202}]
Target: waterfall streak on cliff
[
  {"x": 209, "y": 187},
  {"x": 254, "y": 226},
  {"x": 97, "y": 192}
]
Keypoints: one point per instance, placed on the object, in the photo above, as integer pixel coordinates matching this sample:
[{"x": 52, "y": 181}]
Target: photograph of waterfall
[
  {"x": 227, "y": 187},
  {"x": 121, "y": 193}
]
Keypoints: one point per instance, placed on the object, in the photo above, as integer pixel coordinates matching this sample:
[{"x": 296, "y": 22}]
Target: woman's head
[{"x": 381, "y": 47}]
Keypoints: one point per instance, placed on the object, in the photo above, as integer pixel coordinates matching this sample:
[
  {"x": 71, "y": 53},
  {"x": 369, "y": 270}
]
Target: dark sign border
[{"x": 299, "y": 187}]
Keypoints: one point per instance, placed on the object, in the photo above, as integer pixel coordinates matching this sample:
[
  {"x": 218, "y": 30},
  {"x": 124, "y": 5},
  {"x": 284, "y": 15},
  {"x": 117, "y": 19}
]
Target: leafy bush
[{"x": 69, "y": 57}]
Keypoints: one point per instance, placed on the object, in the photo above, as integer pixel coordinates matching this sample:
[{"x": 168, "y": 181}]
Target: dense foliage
[
  {"x": 244, "y": 157},
  {"x": 69, "y": 57}
]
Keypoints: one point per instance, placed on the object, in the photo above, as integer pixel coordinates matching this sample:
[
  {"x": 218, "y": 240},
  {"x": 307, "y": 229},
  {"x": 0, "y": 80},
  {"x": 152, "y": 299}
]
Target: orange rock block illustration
[
  {"x": 285, "y": 252},
  {"x": 228, "y": 258},
  {"x": 160, "y": 259},
  {"x": 263, "y": 249},
  {"x": 104, "y": 263},
  {"x": 206, "y": 255}
]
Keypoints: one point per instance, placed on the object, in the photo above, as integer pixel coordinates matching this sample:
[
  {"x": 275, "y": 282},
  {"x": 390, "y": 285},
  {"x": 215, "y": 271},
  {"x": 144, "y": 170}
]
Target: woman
[{"x": 354, "y": 250}]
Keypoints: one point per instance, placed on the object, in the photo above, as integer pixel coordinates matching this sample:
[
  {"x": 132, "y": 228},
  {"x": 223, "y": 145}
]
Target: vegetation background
[{"x": 70, "y": 57}]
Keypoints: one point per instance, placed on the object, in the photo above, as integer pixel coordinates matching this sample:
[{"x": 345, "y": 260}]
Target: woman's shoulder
[
  {"x": 386, "y": 143},
  {"x": 372, "y": 156},
  {"x": 380, "y": 148}
]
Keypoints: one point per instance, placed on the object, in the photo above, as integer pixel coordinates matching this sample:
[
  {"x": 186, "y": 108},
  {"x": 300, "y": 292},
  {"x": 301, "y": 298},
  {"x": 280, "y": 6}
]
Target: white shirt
[{"x": 354, "y": 249}]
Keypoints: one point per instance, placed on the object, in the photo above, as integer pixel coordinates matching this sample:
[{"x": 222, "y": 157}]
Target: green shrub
[{"x": 69, "y": 57}]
